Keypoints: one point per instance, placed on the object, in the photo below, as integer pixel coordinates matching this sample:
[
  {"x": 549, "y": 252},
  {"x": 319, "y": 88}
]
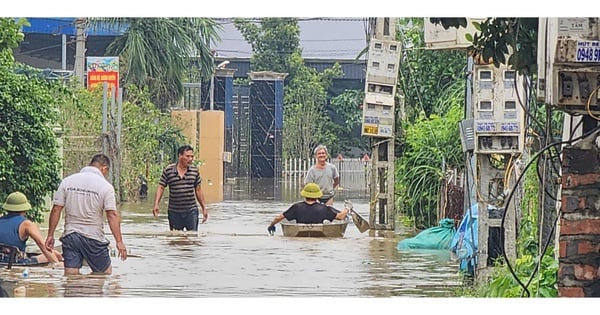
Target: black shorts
[{"x": 181, "y": 220}]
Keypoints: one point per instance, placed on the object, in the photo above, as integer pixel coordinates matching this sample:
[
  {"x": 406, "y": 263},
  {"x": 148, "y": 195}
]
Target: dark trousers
[{"x": 181, "y": 220}]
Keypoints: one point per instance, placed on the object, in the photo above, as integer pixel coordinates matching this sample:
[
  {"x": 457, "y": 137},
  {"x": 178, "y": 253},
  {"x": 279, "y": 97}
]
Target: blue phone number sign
[{"x": 588, "y": 51}]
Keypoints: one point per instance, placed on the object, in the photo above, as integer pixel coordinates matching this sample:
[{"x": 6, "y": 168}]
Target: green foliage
[
  {"x": 498, "y": 37},
  {"x": 424, "y": 74},
  {"x": 241, "y": 81},
  {"x": 276, "y": 47},
  {"x": 307, "y": 124},
  {"x": 29, "y": 159},
  {"x": 503, "y": 284},
  {"x": 348, "y": 108},
  {"x": 274, "y": 40},
  {"x": 406, "y": 221},
  {"x": 449, "y": 22},
  {"x": 155, "y": 52},
  {"x": 11, "y": 35},
  {"x": 148, "y": 136},
  {"x": 431, "y": 145}
]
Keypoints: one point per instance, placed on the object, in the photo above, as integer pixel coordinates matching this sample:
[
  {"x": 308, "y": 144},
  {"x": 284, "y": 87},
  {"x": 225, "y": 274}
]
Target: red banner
[{"x": 98, "y": 77}]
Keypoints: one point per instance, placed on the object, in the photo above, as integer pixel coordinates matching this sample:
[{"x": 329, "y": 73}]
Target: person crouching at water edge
[
  {"x": 15, "y": 230},
  {"x": 309, "y": 211}
]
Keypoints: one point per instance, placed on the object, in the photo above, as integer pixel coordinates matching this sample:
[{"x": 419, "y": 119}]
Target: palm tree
[{"x": 157, "y": 52}]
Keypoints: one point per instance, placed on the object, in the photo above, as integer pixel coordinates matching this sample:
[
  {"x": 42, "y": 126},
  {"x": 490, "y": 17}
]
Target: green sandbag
[{"x": 438, "y": 237}]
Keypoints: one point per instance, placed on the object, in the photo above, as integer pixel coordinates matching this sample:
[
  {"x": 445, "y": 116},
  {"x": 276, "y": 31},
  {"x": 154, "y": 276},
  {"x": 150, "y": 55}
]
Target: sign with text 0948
[{"x": 588, "y": 51}]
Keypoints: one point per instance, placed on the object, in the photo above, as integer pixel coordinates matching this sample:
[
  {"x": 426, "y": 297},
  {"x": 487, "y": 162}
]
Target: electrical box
[
  {"x": 576, "y": 89},
  {"x": 576, "y": 67},
  {"x": 380, "y": 88},
  {"x": 569, "y": 64},
  {"x": 499, "y": 101},
  {"x": 437, "y": 37},
  {"x": 383, "y": 62},
  {"x": 467, "y": 135}
]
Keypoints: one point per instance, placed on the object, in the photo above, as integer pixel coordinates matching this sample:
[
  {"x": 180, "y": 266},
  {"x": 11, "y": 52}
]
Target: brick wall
[{"x": 579, "y": 241}]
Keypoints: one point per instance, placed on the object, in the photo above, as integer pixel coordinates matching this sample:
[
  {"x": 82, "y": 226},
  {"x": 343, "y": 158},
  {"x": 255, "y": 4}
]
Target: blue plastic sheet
[{"x": 464, "y": 243}]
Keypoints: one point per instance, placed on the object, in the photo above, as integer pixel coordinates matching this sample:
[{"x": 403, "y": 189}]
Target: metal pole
[
  {"x": 212, "y": 92},
  {"x": 117, "y": 158},
  {"x": 64, "y": 52},
  {"x": 104, "y": 116}
]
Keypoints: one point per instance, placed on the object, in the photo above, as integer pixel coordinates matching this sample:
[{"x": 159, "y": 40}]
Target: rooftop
[{"x": 320, "y": 38}]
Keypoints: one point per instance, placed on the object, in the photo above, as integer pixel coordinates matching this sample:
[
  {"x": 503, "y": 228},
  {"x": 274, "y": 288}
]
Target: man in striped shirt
[{"x": 183, "y": 179}]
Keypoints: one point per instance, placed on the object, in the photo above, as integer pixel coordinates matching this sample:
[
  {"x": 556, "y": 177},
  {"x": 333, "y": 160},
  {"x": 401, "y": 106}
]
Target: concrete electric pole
[{"x": 79, "y": 67}]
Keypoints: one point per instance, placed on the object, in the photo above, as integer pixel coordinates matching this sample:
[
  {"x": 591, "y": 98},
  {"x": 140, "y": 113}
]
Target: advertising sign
[{"x": 102, "y": 69}]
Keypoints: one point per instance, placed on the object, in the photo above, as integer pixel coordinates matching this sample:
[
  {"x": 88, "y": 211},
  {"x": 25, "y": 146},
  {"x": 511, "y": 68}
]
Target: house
[{"x": 50, "y": 44}]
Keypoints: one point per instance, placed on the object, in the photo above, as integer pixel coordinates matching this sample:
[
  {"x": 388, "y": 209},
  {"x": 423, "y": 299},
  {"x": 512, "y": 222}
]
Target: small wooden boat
[
  {"x": 337, "y": 228},
  {"x": 8, "y": 258}
]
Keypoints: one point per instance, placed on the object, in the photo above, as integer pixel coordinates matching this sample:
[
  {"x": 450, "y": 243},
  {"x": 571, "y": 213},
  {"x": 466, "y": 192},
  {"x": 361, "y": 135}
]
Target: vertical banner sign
[{"x": 102, "y": 69}]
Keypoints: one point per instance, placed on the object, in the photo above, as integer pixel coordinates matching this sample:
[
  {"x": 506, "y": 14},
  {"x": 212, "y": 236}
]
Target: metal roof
[
  {"x": 320, "y": 37},
  {"x": 61, "y": 25}
]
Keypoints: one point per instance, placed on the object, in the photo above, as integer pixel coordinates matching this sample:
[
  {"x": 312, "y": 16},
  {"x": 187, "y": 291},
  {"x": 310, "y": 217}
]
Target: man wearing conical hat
[
  {"x": 309, "y": 211},
  {"x": 15, "y": 230}
]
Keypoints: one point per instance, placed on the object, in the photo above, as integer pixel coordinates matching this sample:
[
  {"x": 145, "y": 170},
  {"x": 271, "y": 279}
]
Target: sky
[{"x": 261, "y": 8}]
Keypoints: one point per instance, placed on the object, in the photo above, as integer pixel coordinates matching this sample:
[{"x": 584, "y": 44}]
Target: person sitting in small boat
[
  {"x": 15, "y": 230},
  {"x": 309, "y": 211}
]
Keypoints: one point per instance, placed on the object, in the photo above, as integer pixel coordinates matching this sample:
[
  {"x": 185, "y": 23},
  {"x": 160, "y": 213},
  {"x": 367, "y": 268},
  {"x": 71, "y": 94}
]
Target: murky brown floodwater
[{"x": 233, "y": 256}]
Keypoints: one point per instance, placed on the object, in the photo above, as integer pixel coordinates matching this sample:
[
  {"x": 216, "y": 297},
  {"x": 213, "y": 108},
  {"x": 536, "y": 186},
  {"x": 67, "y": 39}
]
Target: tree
[
  {"x": 273, "y": 41},
  {"x": 276, "y": 47},
  {"x": 431, "y": 145},
  {"x": 29, "y": 159},
  {"x": 306, "y": 122},
  {"x": 496, "y": 37},
  {"x": 157, "y": 52},
  {"x": 424, "y": 74},
  {"x": 348, "y": 109}
]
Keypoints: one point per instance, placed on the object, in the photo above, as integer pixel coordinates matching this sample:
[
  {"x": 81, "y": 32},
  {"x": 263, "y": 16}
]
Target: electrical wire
[
  {"x": 510, "y": 196},
  {"x": 589, "y": 100},
  {"x": 412, "y": 79}
]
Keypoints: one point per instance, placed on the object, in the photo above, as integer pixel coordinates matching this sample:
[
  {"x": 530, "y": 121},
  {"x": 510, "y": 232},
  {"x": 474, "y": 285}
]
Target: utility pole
[
  {"x": 379, "y": 119},
  {"x": 493, "y": 140},
  {"x": 79, "y": 66},
  {"x": 64, "y": 52}
]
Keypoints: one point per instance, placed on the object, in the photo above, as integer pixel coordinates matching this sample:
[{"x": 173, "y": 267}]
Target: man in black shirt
[{"x": 309, "y": 211}]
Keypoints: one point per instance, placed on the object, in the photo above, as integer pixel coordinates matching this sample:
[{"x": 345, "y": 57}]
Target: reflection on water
[
  {"x": 232, "y": 255},
  {"x": 85, "y": 286}
]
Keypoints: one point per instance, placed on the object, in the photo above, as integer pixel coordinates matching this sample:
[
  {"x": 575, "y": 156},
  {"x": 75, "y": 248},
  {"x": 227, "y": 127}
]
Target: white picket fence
[{"x": 354, "y": 173}]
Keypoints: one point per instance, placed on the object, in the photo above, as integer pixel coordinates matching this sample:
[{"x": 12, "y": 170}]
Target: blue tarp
[
  {"x": 464, "y": 243},
  {"x": 438, "y": 237},
  {"x": 65, "y": 25}
]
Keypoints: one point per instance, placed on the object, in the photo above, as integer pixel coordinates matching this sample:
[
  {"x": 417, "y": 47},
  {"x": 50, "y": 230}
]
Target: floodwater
[{"x": 232, "y": 256}]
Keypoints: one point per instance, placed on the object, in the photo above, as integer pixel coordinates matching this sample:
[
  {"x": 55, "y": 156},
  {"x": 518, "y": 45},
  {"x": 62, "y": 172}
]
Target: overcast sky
[{"x": 323, "y": 38}]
